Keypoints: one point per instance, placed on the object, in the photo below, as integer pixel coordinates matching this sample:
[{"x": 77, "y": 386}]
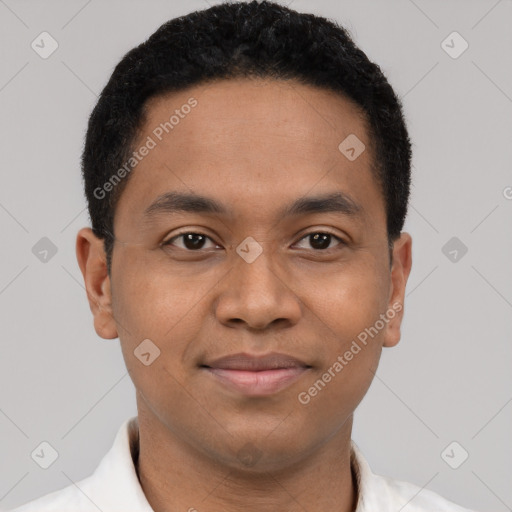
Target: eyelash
[{"x": 325, "y": 232}]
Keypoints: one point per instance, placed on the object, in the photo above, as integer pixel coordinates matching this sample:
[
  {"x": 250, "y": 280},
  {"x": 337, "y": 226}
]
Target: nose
[{"x": 258, "y": 295}]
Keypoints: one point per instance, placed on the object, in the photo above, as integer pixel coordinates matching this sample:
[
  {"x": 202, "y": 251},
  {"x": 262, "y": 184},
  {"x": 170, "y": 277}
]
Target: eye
[
  {"x": 192, "y": 241},
  {"x": 321, "y": 240}
]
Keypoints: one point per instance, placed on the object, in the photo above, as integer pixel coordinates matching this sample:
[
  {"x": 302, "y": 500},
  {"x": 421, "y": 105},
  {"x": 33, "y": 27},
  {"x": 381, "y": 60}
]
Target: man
[{"x": 247, "y": 171}]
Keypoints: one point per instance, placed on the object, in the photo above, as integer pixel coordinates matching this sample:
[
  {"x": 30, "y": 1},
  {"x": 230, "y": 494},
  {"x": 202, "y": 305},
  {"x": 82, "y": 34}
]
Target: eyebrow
[{"x": 176, "y": 202}]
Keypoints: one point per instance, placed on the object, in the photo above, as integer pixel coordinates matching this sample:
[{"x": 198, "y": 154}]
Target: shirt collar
[{"x": 114, "y": 485}]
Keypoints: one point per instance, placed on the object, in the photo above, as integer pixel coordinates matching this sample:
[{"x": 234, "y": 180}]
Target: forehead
[
  {"x": 281, "y": 112},
  {"x": 270, "y": 141}
]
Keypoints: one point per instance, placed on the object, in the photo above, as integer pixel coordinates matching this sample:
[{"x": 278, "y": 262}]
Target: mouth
[{"x": 256, "y": 375}]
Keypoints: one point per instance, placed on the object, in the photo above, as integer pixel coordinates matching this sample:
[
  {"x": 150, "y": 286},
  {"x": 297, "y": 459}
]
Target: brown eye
[
  {"x": 190, "y": 241},
  {"x": 321, "y": 241}
]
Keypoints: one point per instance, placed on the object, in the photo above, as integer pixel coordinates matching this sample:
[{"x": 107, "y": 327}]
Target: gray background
[{"x": 448, "y": 380}]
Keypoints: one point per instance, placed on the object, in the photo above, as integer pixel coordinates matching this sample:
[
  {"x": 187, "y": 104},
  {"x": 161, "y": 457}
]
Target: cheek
[
  {"x": 150, "y": 297},
  {"x": 347, "y": 298},
  {"x": 332, "y": 395},
  {"x": 151, "y": 304},
  {"x": 348, "y": 305},
  {"x": 154, "y": 304}
]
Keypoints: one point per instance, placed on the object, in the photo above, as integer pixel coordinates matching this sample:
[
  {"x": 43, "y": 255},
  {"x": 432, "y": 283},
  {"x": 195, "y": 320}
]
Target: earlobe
[
  {"x": 400, "y": 270},
  {"x": 91, "y": 258}
]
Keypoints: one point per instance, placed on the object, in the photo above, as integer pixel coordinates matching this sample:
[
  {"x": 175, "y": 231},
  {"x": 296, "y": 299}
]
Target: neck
[{"x": 175, "y": 476}]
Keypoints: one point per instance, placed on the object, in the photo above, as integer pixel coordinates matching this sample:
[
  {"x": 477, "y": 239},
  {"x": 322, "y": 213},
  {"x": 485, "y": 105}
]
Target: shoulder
[
  {"x": 414, "y": 498},
  {"x": 70, "y": 498},
  {"x": 386, "y": 494},
  {"x": 113, "y": 487}
]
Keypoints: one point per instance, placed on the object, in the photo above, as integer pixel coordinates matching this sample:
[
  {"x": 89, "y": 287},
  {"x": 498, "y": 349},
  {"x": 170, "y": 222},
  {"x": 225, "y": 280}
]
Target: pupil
[
  {"x": 193, "y": 241},
  {"x": 320, "y": 240}
]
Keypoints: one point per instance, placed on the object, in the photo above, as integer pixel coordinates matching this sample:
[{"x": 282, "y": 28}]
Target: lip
[{"x": 256, "y": 375}]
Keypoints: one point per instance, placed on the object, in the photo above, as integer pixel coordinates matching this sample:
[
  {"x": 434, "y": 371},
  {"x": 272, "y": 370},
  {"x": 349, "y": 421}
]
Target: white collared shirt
[{"x": 115, "y": 487}]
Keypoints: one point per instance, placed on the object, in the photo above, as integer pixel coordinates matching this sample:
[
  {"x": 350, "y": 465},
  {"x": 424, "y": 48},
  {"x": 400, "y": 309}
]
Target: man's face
[{"x": 253, "y": 280}]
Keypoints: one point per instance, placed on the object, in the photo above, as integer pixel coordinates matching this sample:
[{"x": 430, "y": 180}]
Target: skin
[{"x": 255, "y": 146}]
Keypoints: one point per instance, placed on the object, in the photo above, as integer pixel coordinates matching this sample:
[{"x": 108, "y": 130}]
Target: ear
[
  {"x": 400, "y": 270},
  {"x": 91, "y": 257}
]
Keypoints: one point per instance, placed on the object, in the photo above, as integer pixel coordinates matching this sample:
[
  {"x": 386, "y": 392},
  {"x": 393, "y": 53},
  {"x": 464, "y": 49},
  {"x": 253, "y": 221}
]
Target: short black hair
[{"x": 232, "y": 40}]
